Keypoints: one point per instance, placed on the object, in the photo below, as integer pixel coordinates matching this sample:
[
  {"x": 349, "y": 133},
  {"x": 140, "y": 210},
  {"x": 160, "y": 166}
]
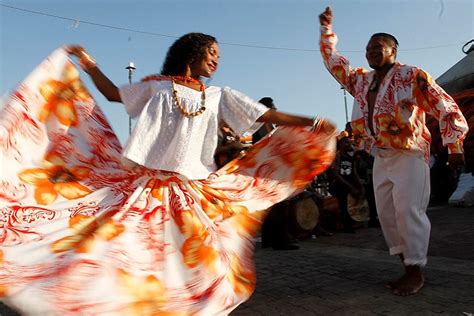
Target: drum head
[
  {"x": 358, "y": 208},
  {"x": 306, "y": 213}
]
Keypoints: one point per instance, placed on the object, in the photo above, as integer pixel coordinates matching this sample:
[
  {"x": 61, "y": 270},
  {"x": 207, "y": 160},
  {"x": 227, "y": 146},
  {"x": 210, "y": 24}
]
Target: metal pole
[
  {"x": 131, "y": 68},
  {"x": 345, "y": 104}
]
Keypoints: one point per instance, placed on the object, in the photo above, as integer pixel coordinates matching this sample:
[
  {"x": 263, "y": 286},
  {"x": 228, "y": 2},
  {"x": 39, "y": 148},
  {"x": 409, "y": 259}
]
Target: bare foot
[
  {"x": 393, "y": 284},
  {"x": 410, "y": 283}
]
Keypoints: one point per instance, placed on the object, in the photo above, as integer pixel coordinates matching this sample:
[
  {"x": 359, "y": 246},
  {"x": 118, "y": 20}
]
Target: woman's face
[{"x": 207, "y": 64}]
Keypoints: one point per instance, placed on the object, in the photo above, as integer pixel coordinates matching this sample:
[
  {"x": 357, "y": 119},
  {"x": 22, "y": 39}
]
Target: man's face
[{"x": 379, "y": 52}]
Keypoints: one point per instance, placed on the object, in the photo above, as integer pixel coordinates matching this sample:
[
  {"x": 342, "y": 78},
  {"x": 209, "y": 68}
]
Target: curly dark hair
[{"x": 184, "y": 51}]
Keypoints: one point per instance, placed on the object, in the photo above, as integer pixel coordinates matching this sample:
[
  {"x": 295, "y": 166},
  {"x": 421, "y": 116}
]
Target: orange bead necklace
[
  {"x": 178, "y": 104},
  {"x": 178, "y": 78}
]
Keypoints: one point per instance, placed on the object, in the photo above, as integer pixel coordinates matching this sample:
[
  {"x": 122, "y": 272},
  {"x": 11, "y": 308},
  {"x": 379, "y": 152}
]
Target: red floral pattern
[
  {"x": 82, "y": 235},
  {"x": 405, "y": 95}
]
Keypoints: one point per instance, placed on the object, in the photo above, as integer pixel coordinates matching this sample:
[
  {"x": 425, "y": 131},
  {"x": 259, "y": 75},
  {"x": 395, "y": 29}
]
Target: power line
[
  {"x": 119, "y": 28},
  {"x": 87, "y": 22}
]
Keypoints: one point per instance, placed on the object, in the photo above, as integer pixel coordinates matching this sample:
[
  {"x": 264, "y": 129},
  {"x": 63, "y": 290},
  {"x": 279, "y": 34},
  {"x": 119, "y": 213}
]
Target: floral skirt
[{"x": 82, "y": 235}]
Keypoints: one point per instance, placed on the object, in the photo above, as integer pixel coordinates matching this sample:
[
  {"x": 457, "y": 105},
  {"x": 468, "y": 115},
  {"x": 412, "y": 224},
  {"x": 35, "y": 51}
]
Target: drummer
[{"x": 343, "y": 179}]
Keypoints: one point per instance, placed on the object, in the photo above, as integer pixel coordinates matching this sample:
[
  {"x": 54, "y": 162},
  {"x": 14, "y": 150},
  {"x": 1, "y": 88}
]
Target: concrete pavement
[{"x": 345, "y": 274}]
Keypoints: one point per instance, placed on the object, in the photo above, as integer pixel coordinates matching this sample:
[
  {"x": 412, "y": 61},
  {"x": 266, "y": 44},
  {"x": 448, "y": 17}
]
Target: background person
[{"x": 344, "y": 180}]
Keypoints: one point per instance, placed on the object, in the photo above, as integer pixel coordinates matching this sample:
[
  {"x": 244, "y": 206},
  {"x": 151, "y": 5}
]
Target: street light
[
  {"x": 131, "y": 68},
  {"x": 345, "y": 104}
]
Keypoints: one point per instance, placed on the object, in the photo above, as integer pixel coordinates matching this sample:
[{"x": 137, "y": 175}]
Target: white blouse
[{"x": 165, "y": 139}]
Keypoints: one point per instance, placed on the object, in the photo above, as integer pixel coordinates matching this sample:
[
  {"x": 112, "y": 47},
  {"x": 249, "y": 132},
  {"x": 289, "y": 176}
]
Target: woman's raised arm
[
  {"x": 284, "y": 119},
  {"x": 108, "y": 89}
]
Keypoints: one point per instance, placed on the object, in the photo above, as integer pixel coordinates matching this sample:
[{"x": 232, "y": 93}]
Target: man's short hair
[
  {"x": 268, "y": 102},
  {"x": 387, "y": 36}
]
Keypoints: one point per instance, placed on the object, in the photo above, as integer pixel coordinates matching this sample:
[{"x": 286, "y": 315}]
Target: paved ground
[{"x": 343, "y": 274}]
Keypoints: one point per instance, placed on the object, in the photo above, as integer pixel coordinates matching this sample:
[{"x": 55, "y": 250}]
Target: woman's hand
[
  {"x": 328, "y": 127},
  {"x": 85, "y": 60},
  {"x": 323, "y": 125},
  {"x": 75, "y": 50},
  {"x": 88, "y": 64}
]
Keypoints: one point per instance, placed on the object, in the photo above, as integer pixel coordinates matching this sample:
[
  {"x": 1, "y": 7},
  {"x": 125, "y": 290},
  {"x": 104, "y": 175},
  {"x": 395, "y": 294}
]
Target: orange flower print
[
  {"x": 60, "y": 97},
  {"x": 242, "y": 280},
  {"x": 3, "y": 288},
  {"x": 85, "y": 230},
  {"x": 358, "y": 132},
  {"x": 147, "y": 294},
  {"x": 195, "y": 248},
  {"x": 56, "y": 179},
  {"x": 110, "y": 229},
  {"x": 394, "y": 132},
  {"x": 213, "y": 202},
  {"x": 215, "y": 208},
  {"x": 158, "y": 186},
  {"x": 188, "y": 223},
  {"x": 325, "y": 47},
  {"x": 248, "y": 224},
  {"x": 305, "y": 164},
  {"x": 157, "y": 190},
  {"x": 196, "y": 251},
  {"x": 311, "y": 160},
  {"x": 247, "y": 160},
  {"x": 339, "y": 72},
  {"x": 83, "y": 227},
  {"x": 358, "y": 126},
  {"x": 424, "y": 98}
]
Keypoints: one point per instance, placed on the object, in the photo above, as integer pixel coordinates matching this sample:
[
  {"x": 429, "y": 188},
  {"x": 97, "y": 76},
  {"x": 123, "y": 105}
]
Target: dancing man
[{"x": 388, "y": 119}]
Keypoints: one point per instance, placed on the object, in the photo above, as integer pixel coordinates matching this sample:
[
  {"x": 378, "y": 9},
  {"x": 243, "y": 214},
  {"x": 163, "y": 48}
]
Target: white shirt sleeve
[
  {"x": 136, "y": 96},
  {"x": 239, "y": 111}
]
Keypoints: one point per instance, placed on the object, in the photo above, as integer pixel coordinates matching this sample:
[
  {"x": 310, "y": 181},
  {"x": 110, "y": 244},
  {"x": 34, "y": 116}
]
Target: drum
[
  {"x": 330, "y": 213},
  {"x": 304, "y": 216},
  {"x": 329, "y": 204},
  {"x": 358, "y": 208}
]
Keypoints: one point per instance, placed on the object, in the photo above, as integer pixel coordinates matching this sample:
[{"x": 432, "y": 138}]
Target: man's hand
[
  {"x": 325, "y": 18},
  {"x": 456, "y": 161}
]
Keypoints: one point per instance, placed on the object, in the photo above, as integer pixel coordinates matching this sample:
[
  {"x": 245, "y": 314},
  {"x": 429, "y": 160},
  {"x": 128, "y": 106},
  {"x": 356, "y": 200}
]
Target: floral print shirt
[{"x": 405, "y": 94}]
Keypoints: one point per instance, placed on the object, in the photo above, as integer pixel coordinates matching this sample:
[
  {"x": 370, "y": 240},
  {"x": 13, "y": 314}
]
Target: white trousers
[{"x": 402, "y": 191}]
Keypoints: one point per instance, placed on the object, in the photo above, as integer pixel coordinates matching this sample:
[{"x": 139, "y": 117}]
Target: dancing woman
[{"x": 167, "y": 233}]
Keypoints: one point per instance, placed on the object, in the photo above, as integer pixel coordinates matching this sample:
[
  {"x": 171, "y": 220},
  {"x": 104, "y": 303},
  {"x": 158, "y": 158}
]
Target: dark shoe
[
  {"x": 292, "y": 240},
  {"x": 286, "y": 247},
  {"x": 319, "y": 231}
]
